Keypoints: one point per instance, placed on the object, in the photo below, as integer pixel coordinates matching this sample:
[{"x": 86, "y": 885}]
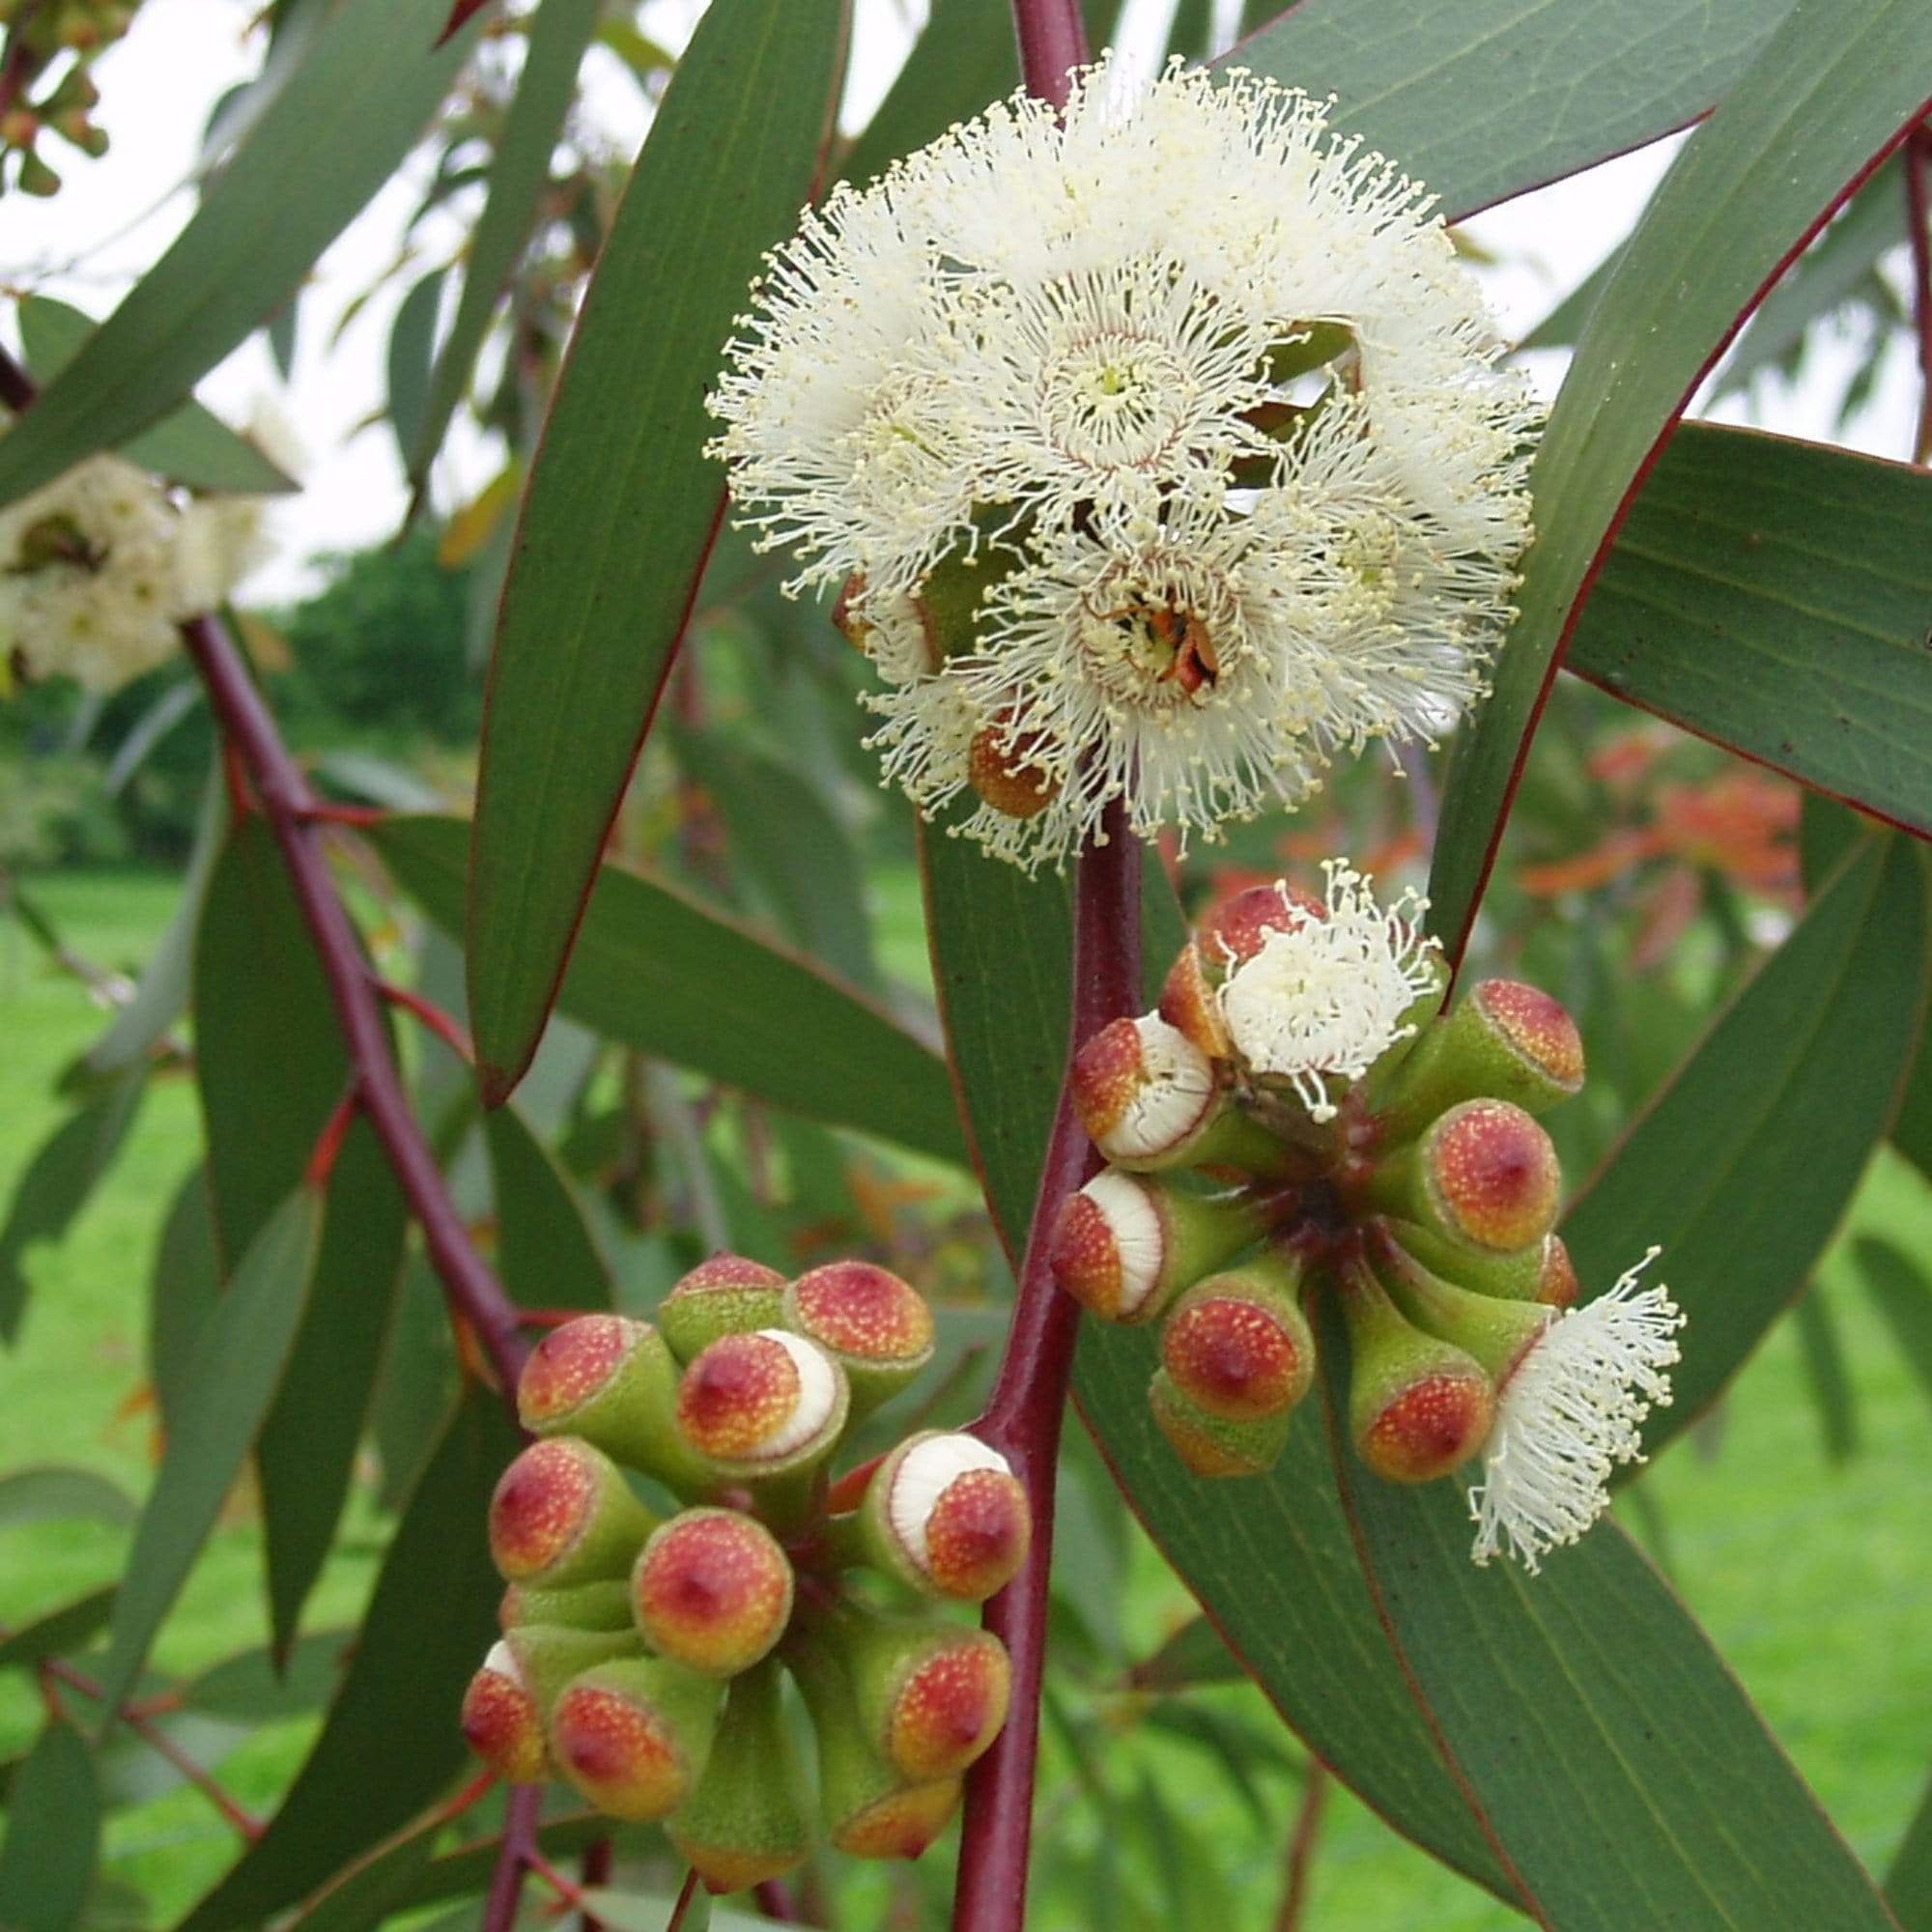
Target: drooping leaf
[
  {"x": 259, "y": 1688},
  {"x": 1903, "y": 1296},
  {"x": 411, "y": 361},
  {"x": 1488, "y": 98},
  {"x": 1827, "y": 98},
  {"x": 1193, "y": 1655},
  {"x": 190, "y": 446},
  {"x": 238, "y": 1367},
  {"x": 559, "y": 31},
  {"x": 1828, "y": 1377},
  {"x": 654, "y": 970},
  {"x": 1730, "y": 1170},
  {"x": 328, "y": 139},
  {"x": 545, "y": 1254},
  {"x": 53, "y": 1836},
  {"x": 1773, "y": 595},
  {"x": 59, "y": 1632},
  {"x": 183, "y": 1286},
  {"x": 54, "y": 1492},
  {"x": 389, "y": 1742},
  {"x": 415, "y": 1383},
  {"x": 622, "y": 503}
]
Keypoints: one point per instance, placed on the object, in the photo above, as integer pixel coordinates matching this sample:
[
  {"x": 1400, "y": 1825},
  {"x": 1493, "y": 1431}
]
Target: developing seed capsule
[
  {"x": 1211, "y": 1445},
  {"x": 563, "y": 1515},
  {"x": 1237, "y": 1345},
  {"x": 713, "y": 1590},
  {"x": 634, "y": 1736},
  {"x": 763, "y": 1404},
  {"x": 875, "y": 1326},
  {"x": 1125, "y": 1246},
  {"x": 1505, "y": 1040},
  {"x": 501, "y": 1723},
  {"x": 727, "y": 1294},
  {"x": 1484, "y": 1174},
  {"x": 750, "y": 1818},
  {"x": 944, "y": 1514}
]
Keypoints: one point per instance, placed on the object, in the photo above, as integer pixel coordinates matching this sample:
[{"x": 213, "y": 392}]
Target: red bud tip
[
  {"x": 571, "y": 1364},
  {"x": 1003, "y": 772},
  {"x": 713, "y": 1590},
  {"x": 1537, "y": 1027},
  {"x": 1187, "y": 1004},
  {"x": 728, "y": 1274},
  {"x": 542, "y": 1503},
  {"x": 950, "y": 1708},
  {"x": 755, "y": 1397},
  {"x": 1430, "y": 1427},
  {"x": 1141, "y": 1087},
  {"x": 862, "y": 1311},
  {"x": 1237, "y": 928},
  {"x": 1235, "y": 1357},
  {"x": 1558, "y": 1287},
  {"x": 959, "y": 1514},
  {"x": 1108, "y": 1245},
  {"x": 619, "y": 1752},
  {"x": 501, "y": 1719},
  {"x": 901, "y": 1824},
  {"x": 1494, "y": 1173}
]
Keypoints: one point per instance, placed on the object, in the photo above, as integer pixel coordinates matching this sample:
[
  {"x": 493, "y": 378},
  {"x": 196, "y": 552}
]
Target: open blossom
[
  {"x": 1568, "y": 1414},
  {"x": 98, "y": 570},
  {"x": 1158, "y": 447}
]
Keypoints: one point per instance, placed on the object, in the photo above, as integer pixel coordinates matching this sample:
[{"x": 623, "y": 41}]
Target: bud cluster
[
  {"x": 1298, "y": 1116},
  {"x": 37, "y": 33},
  {"x": 644, "y": 1657}
]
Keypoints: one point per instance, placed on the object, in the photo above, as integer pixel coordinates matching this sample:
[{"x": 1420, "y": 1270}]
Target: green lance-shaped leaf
[
  {"x": 1826, "y": 1376},
  {"x": 1489, "y": 98},
  {"x": 389, "y": 1742},
  {"x": 412, "y": 362},
  {"x": 53, "y": 1836},
  {"x": 335, "y": 131},
  {"x": 622, "y": 503},
  {"x": 654, "y": 970},
  {"x": 545, "y": 1253},
  {"x": 184, "y": 1283},
  {"x": 1774, "y": 596},
  {"x": 1908, "y": 1885},
  {"x": 238, "y": 1367},
  {"x": 191, "y": 445},
  {"x": 1903, "y": 1296},
  {"x": 54, "y": 1492},
  {"x": 60, "y": 1633},
  {"x": 559, "y": 31},
  {"x": 1832, "y": 92},
  {"x": 1743, "y": 1166}
]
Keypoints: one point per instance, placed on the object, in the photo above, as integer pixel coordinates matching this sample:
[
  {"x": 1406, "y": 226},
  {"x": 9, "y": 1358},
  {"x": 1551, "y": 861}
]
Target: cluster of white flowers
[
  {"x": 98, "y": 570},
  {"x": 1159, "y": 447}
]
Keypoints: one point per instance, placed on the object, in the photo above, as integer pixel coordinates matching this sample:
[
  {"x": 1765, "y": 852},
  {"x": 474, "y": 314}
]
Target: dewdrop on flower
[
  {"x": 1323, "y": 998},
  {"x": 1568, "y": 1414},
  {"x": 1187, "y": 411}
]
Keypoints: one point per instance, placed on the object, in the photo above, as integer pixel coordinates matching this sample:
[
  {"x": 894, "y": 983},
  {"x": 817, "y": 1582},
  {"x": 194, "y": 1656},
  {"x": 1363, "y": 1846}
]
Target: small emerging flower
[
  {"x": 1327, "y": 993},
  {"x": 1568, "y": 1414}
]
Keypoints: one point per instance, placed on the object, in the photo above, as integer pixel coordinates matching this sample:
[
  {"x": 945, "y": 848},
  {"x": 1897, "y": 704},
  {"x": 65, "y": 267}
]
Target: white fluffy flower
[
  {"x": 1323, "y": 998},
  {"x": 1568, "y": 1413},
  {"x": 1203, "y": 391},
  {"x": 99, "y": 569}
]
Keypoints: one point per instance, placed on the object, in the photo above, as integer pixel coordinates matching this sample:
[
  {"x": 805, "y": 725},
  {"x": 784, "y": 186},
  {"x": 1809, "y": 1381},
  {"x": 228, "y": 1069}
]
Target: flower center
[
  {"x": 1114, "y": 400},
  {"x": 1166, "y": 645}
]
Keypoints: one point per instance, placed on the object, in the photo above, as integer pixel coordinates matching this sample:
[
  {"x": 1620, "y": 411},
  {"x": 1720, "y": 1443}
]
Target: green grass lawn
[{"x": 1813, "y": 1580}]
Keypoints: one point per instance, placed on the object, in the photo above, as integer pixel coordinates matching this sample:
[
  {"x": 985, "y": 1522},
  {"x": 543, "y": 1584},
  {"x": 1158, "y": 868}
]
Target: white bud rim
[
  {"x": 1140, "y": 1242},
  {"x": 501, "y": 1662},
  {"x": 818, "y": 1396},
  {"x": 926, "y": 1470},
  {"x": 1174, "y": 1095}
]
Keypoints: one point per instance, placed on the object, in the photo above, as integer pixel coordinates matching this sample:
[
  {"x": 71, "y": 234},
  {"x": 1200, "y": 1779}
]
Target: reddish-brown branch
[
  {"x": 1918, "y": 224},
  {"x": 594, "y": 1869},
  {"x": 520, "y": 1846},
  {"x": 685, "y": 1895},
  {"x": 328, "y": 1143},
  {"x": 1301, "y": 1849},
  {"x": 1053, "y": 39},
  {"x": 1024, "y": 1415},
  {"x": 433, "y": 1016}
]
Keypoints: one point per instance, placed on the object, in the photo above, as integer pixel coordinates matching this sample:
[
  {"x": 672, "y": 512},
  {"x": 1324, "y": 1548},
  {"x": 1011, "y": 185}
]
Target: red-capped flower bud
[
  {"x": 767, "y": 1404},
  {"x": 549, "y": 1656},
  {"x": 1188, "y": 1005},
  {"x": 562, "y": 1514},
  {"x": 613, "y": 1382},
  {"x": 1127, "y": 1244},
  {"x": 1237, "y": 1345},
  {"x": 944, "y": 1514},
  {"x": 727, "y": 1294},
  {"x": 1505, "y": 1040},
  {"x": 1002, "y": 766},
  {"x": 634, "y": 1736},
  {"x": 1540, "y": 1272},
  {"x": 1211, "y": 1445},
  {"x": 1417, "y": 1406},
  {"x": 750, "y": 1818},
  {"x": 1484, "y": 1174},
  {"x": 713, "y": 1590},
  {"x": 869, "y": 1809},
  {"x": 875, "y": 1326},
  {"x": 602, "y": 1605},
  {"x": 501, "y": 1723}
]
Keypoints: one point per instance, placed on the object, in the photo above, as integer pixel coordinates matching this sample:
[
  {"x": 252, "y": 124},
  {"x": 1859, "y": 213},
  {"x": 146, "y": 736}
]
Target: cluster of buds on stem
[
  {"x": 645, "y": 1655},
  {"x": 45, "y": 84},
  {"x": 1299, "y": 1118}
]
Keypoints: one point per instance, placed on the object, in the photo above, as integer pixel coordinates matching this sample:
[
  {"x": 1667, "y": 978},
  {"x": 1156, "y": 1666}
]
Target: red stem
[
  {"x": 1917, "y": 158},
  {"x": 595, "y": 1869},
  {"x": 684, "y": 1897},
  {"x": 1028, "y": 1400},
  {"x": 433, "y": 1016},
  {"x": 1301, "y": 1847},
  {"x": 520, "y": 1844},
  {"x": 1052, "y": 38}
]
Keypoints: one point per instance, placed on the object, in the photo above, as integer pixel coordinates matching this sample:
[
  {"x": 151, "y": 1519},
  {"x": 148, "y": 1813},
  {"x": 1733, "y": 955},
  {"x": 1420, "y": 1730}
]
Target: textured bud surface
[
  {"x": 1430, "y": 1427},
  {"x": 714, "y": 1590},
  {"x": 619, "y": 1753},
  {"x": 1235, "y": 1357},
  {"x": 757, "y": 1397},
  {"x": 501, "y": 1719},
  {"x": 1108, "y": 1246},
  {"x": 1493, "y": 1174},
  {"x": 1142, "y": 1089},
  {"x": 949, "y": 1707},
  {"x": 572, "y": 1364},
  {"x": 901, "y": 1825},
  {"x": 727, "y": 1294},
  {"x": 958, "y": 1514},
  {"x": 862, "y": 1312},
  {"x": 1536, "y": 1026}
]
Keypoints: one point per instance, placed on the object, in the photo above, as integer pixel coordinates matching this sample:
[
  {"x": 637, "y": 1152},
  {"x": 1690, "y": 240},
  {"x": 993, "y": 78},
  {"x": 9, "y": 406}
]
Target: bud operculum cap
[
  {"x": 764, "y": 1403},
  {"x": 501, "y": 1723},
  {"x": 1211, "y": 1445},
  {"x": 713, "y": 1589},
  {"x": 562, "y": 1514},
  {"x": 1125, "y": 1246},
  {"x": 1506, "y": 1041},
  {"x": 1238, "y": 1344},
  {"x": 1484, "y": 1173},
  {"x": 727, "y": 1294},
  {"x": 945, "y": 1516},
  {"x": 875, "y": 1325},
  {"x": 634, "y": 1736}
]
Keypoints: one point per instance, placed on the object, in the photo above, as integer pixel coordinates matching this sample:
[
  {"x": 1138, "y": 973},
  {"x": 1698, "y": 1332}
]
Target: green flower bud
[
  {"x": 1505, "y": 1039},
  {"x": 750, "y": 1818},
  {"x": 1211, "y": 1445},
  {"x": 501, "y": 1723},
  {"x": 1237, "y": 1345},
  {"x": 635, "y": 1736},
  {"x": 562, "y": 1514},
  {"x": 602, "y": 1605},
  {"x": 1493, "y": 1330},
  {"x": 1484, "y": 1174},
  {"x": 764, "y": 1405},
  {"x": 1540, "y": 1272},
  {"x": 713, "y": 1589},
  {"x": 724, "y": 1295},
  {"x": 875, "y": 1326},
  {"x": 549, "y": 1656}
]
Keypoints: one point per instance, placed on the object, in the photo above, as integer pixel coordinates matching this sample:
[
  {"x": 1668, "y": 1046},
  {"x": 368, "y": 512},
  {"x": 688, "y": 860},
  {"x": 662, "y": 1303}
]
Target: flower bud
[
  {"x": 634, "y": 1736},
  {"x": 1149, "y": 1098},
  {"x": 613, "y": 1382},
  {"x": 875, "y": 1326},
  {"x": 562, "y": 1514},
  {"x": 1484, "y": 1174},
  {"x": 1187, "y": 1004},
  {"x": 944, "y": 1514},
  {"x": 1127, "y": 1244},
  {"x": 501, "y": 1723},
  {"x": 1002, "y": 767},
  {"x": 750, "y": 1818},
  {"x": 549, "y": 1656},
  {"x": 1540, "y": 1272},
  {"x": 602, "y": 1605},
  {"x": 724, "y": 1295},
  {"x": 768, "y": 1404},
  {"x": 1211, "y": 1445},
  {"x": 869, "y": 1808},
  {"x": 1237, "y": 1345},
  {"x": 1493, "y": 1330},
  {"x": 713, "y": 1590},
  {"x": 1508, "y": 1041},
  {"x": 1417, "y": 1406}
]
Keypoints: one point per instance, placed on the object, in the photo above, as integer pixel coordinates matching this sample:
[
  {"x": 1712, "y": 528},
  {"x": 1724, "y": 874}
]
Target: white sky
[{"x": 114, "y": 216}]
